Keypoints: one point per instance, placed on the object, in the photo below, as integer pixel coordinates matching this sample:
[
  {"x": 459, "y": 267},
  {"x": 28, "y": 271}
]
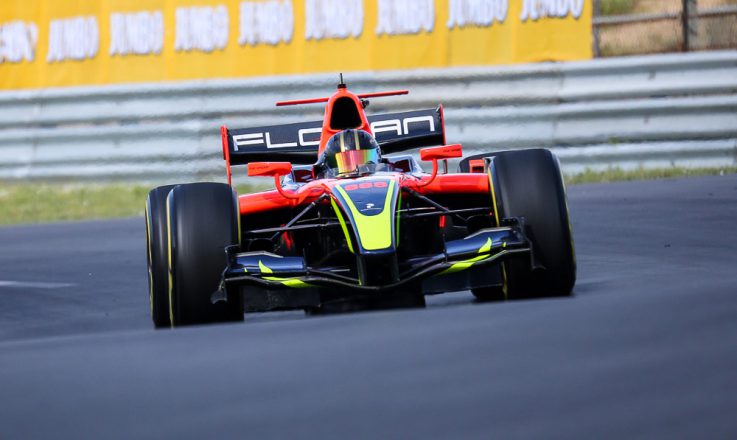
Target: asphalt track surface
[{"x": 647, "y": 347}]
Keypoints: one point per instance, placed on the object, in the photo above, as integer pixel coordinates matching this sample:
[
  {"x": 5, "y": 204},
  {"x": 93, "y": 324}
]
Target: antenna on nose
[{"x": 341, "y": 85}]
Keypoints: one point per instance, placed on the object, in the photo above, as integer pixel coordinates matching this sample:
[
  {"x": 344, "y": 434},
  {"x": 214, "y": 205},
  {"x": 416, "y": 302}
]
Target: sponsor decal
[
  {"x": 397, "y": 17},
  {"x": 481, "y": 13},
  {"x": 137, "y": 33},
  {"x": 305, "y": 138},
  {"x": 366, "y": 185},
  {"x": 270, "y": 22},
  {"x": 283, "y": 137},
  {"x": 537, "y": 9},
  {"x": 201, "y": 28},
  {"x": 402, "y": 126},
  {"x": 76, "y": 38},
  {"x": 338, "y": 19},
  {"x": 18, "y": 41}
]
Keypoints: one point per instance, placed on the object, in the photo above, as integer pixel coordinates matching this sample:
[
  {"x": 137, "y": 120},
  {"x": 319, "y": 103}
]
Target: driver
[{"x": 350, "y": 152}]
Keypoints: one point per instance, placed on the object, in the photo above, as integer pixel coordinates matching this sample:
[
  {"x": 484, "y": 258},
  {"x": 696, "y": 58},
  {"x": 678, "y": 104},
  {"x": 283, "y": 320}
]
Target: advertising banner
[{"x": 51, "y": 43}]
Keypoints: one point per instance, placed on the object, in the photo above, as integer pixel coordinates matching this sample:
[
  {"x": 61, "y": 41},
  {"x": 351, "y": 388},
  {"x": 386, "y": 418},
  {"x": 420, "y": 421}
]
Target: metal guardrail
[{"x": 637, "y": 111}]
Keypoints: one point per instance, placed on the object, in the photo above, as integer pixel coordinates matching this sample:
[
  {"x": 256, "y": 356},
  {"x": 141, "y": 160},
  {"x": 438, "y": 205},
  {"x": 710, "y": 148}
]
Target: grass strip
[
  {"x": 620, "y": 175},
  {"x": 45, "y": 202}
]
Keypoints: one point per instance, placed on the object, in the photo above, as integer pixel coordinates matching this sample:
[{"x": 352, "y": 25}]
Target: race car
[{"x": 354, "y": 224}]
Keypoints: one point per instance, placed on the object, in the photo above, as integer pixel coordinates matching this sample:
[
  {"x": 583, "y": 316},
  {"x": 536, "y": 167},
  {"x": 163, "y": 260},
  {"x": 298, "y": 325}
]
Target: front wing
[{"x": 268, "y": 281}]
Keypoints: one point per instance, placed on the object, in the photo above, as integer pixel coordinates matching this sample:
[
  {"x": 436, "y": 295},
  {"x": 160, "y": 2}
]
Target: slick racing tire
[
  {"x": 203, "y": 220},
  {"x": 157, "y": 255},
  {"x": 528, "y": 183}
]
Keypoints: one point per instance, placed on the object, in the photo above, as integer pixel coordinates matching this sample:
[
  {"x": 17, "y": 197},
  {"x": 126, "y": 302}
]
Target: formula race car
[{"x": 353, "y": 226}]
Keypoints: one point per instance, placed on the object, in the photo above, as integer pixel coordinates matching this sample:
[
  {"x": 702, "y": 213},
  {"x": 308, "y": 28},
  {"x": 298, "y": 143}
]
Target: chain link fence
[{"x": 630, "y": 27}]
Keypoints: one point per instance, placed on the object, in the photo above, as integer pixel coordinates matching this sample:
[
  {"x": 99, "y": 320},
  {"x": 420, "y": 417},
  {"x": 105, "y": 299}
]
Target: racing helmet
[{"x": 351, "y": 151}]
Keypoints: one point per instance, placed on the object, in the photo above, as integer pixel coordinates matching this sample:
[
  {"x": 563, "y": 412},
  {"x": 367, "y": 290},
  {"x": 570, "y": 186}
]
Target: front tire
[
  {"x": 157, "y": 255},
  {"x": 529, "y": 184},
  {"x": 203, "y": 220}
]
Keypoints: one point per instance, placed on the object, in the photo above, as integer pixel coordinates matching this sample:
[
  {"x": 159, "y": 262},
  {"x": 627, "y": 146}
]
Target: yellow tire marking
[
  {"x": 505, "y": 287},
  {"x": 171, "y": 279},
  {"x": 150, "y": 271}
]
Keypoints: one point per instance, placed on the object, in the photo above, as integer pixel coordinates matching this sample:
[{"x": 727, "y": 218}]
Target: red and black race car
[{"x": 351, "y": 225}]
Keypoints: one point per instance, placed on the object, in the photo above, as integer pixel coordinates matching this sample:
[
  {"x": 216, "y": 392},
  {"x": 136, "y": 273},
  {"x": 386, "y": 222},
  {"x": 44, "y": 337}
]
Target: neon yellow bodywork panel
[
  {"x": 374, "y": 231},
  {"x": 289, "y": 282},
  {"x": 343, "y": 225},
  {"x": 465, "y": 264}
]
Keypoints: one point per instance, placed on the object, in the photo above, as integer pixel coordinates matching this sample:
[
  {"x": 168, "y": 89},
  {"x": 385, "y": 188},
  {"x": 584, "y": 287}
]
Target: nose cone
[{"x": 370, "y": 207}]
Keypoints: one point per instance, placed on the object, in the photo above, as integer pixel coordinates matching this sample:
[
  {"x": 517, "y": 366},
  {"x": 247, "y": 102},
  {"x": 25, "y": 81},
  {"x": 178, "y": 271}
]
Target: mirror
[
  {"x": 441, "y": 152},
  {"x": 256, "y": 169}
]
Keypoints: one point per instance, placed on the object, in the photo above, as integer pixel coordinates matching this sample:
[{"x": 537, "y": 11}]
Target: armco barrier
[{"x": 641, "y": 111}]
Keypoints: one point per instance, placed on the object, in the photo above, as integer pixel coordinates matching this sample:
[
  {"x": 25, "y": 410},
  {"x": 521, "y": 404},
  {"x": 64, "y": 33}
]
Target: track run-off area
[{"x": 645, "y": 348}]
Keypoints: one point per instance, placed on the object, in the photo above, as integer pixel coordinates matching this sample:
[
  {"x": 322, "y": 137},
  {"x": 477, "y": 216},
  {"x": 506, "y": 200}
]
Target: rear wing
[{"x": 298, "y": 143}]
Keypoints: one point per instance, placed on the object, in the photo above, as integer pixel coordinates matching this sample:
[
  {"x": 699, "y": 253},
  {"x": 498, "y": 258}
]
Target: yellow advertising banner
[{"x": 52, "y": 43}]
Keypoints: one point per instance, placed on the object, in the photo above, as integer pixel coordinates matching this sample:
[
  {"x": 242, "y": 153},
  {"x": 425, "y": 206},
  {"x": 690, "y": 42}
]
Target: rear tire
[
  {"x": 203, "y": 219},
  {"x": 157, "y": 255},
  {"x": 529, "y": 184}
]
